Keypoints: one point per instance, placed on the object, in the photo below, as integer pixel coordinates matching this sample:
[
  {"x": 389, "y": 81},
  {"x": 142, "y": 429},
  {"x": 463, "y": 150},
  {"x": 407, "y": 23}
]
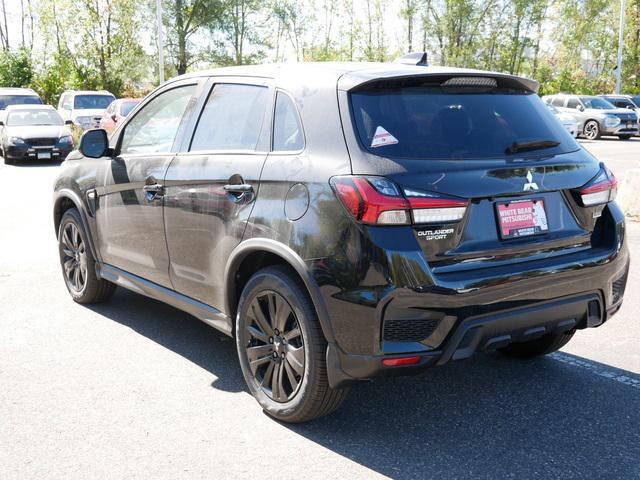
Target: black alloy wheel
[
  {"x": 282, "y": 348},
  {"x": 78, "y": 263},
  {"x": 275, "y": 347},
  {"x": 74, "y": 258}
]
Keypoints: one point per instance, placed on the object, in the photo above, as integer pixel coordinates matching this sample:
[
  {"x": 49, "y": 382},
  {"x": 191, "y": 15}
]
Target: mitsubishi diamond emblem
[{"x": 530, "y": 185}]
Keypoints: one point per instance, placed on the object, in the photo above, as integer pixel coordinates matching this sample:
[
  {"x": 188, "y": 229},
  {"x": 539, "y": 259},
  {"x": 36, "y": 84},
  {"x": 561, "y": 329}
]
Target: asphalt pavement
[{"x": 136, "y": 389}]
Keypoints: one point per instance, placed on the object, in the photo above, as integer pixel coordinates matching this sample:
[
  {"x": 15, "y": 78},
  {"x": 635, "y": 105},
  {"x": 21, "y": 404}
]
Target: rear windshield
[
  {"x": 6, "y": 100},
  {"x": 90, "y": 102},
  {"x": 434, "y": 122}
]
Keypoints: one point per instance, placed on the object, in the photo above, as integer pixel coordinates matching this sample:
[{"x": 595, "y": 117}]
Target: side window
[
  {"x": 154, "y": 127},
  {"x": 573, "y": 103},
  {"x": 287, "y": 127},
  {"x": 557, "y": 102},
  {"x": 66, "y": 102},
  {"x": 231, "y": 119}
]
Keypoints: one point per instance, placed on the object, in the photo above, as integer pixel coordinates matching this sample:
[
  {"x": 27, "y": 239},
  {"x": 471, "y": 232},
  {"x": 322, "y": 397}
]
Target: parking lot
[{"x": 136, "y": 389}]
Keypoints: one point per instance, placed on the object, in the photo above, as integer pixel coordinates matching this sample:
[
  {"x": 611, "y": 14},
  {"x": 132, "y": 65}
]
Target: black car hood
[{"x": 37, "y": 131}]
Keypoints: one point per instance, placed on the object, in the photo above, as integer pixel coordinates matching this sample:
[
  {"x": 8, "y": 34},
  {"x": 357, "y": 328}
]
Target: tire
[
  {"x": 591, "y": 130},
  {"x": 78, "y": 264},
  {"x": 276, "y": 319},
  {"x": 624, "y": 137},
  {"x": 544, "y": 345}
]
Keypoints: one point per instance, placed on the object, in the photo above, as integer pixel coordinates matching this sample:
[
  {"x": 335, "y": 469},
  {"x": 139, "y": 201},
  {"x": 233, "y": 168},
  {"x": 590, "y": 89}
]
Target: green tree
[
  {"x": 184, "y": 20},
  {"x": 16, "y": 69}
]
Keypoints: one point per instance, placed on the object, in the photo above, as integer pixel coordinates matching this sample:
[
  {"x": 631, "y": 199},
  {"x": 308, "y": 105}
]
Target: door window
[
  {"x": 154, "y": 128},
  {"x": 231, "y": 119},
  {"x": 573, "y": 103},
  {"x": 557, "y": 102},
  {"x": 287, "y": 127}
]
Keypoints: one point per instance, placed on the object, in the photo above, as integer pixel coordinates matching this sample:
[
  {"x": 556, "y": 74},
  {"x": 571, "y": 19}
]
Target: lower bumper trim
[{"x": 481, "y": 333}]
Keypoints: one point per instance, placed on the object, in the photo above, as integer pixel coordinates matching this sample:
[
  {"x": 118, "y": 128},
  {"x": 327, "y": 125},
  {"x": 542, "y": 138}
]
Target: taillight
[
  {"x": 378, "y": 201},
  {"x": 601, "y": 189}
]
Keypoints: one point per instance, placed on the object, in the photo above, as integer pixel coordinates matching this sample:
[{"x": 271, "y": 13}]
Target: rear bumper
[
  {"x": 479, "y": 333},
  {"x": 480, "y": 311}
]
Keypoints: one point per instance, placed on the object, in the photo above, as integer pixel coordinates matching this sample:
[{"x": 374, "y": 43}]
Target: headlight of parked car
[
  {"x": 611, "y": 121},
  {"x": 66, "y": 140},
  {"x": 16, "y": 141}
]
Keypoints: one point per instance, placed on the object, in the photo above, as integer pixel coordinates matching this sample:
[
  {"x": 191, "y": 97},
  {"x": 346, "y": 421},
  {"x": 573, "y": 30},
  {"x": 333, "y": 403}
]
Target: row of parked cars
[
  {"x": 594, "y": 116},
  {"x": 32, "y": 130}
]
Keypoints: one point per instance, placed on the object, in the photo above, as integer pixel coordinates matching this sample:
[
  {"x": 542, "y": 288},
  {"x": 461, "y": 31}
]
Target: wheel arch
[
  {"x": 64, "y": 200},
  {"x": 257, "y": 253}
]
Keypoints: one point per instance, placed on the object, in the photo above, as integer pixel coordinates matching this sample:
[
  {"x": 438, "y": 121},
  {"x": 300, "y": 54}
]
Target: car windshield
[
  {"x": 20, "y": 118},
  {"x": 597, "y": 103},
  {"x": 636, "y": 100},
  {"x": 126, "y": 107},
  {"x": 438, "y": 123},
  {"x": 6, "y": 100},
  {"x": 89, "y": 102}
]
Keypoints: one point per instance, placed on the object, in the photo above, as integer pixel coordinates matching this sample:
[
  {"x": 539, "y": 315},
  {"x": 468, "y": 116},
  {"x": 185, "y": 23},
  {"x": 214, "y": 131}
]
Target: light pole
[
  {"x": 160, "y": 41},
  {"x": 620, "y": 44}
]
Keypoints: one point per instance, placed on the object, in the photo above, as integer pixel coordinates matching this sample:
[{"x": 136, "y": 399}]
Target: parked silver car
[
  {"x": 624, "y": 101},
  {"x": 596, "y": 116}
]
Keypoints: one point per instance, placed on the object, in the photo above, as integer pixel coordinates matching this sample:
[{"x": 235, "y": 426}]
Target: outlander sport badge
[{"x": 530, "y": 185}]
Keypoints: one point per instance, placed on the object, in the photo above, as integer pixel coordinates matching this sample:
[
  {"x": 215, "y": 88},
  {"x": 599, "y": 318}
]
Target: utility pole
[
  {"x": 160, "y": 41},
  {"x": 620, "y": 45}
]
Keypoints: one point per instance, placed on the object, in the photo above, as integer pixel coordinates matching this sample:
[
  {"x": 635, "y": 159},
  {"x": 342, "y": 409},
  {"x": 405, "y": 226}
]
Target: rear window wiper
[{"x": 516, "y": 147}]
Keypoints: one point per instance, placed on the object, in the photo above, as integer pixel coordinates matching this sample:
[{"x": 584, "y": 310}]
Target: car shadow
[{"x": 487, "y": 417}]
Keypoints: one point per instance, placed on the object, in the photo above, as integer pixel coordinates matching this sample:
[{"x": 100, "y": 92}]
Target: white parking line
[{"x": 596, "y": 368}]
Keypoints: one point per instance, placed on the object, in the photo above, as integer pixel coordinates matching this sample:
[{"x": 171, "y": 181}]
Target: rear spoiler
[{"x": 443, "y": 75}]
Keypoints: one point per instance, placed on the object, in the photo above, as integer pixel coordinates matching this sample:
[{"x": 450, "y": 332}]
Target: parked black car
[
  {"x": 34, "y": 132},
  {"x": 345, "y": 221}
]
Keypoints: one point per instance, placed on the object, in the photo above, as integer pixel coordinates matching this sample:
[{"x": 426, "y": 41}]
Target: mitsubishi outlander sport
[{"x": 345, "y": 221}]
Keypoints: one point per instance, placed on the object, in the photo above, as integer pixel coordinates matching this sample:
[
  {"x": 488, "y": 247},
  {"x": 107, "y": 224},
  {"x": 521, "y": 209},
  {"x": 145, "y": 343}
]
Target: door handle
[
  {"x": 238, "y": 188},
  {"x": 154, "y": 188}
]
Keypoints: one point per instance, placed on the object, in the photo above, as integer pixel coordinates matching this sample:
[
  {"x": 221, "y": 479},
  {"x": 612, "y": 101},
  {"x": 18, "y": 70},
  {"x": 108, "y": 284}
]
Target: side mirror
[
  {"x": 1, "y": 123},
  {"x": 114, "y": 117},
  {"x": 94, "y": 143},
  {"x": 581, "y": 108},
  {"x": 68, "y": 122}
]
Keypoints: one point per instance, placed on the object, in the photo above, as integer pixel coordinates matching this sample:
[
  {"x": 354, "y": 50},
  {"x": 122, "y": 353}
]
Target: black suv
[{"x": 345, "y": 221}]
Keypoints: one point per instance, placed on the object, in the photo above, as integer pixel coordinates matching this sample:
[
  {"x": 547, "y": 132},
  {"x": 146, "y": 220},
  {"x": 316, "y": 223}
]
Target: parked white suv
[
  {"x": 596, "y": 116},
  {"x": 84, "y": 107}
]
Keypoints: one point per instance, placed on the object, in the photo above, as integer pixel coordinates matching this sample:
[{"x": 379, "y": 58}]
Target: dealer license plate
[{"x": 521, "y": 218}]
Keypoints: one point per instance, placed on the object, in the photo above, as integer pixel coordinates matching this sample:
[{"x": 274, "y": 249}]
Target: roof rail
[{"x": 414, "y": 58}]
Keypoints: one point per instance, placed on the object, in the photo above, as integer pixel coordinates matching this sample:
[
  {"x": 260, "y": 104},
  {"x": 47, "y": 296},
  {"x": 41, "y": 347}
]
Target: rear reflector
[
  {"x": 397, "y": 362},
  {"x": 378, "y": 201},
  {"x": 602, "y": 189}
]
